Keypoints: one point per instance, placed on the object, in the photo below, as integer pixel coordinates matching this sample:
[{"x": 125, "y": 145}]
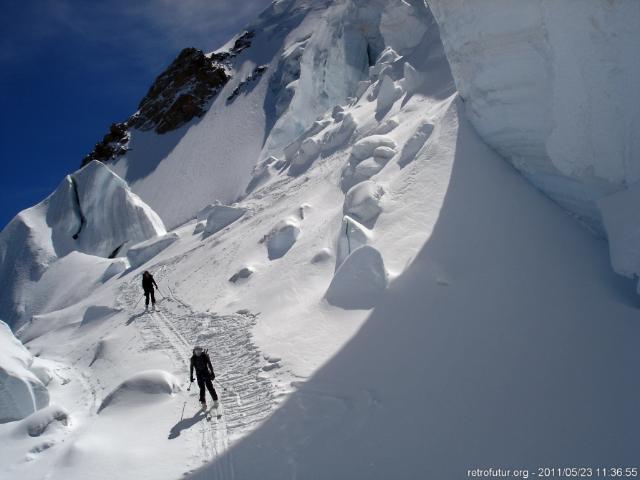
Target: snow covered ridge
[
  {"x": 294, "y": 63},
  {"x": 92, "y": 211},
  {"x": 548, "y": 85}
]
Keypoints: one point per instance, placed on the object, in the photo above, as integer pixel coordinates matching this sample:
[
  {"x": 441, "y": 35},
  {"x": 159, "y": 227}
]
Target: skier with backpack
[
  {"x": 201, "y": 363},
  {"x": 148, "y": 283}
]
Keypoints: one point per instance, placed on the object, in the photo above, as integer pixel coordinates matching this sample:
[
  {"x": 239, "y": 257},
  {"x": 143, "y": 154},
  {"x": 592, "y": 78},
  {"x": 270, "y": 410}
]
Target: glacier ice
[
  {"x": 93, "y": 211},
  {"x": 113, "y": 215},
  {"x": 547, "y": 84},
  {"x": 388, "y": 94},
  {"x": 221, "y": 216},
  {"x": 21, "y": 391},
  {"x": 621, "y": 218},
  {"x": 352, "y": 236},
  {"x": 117, "y": 266},
  {"x": 282, "y": 237},
  {"x": 359, "y": 281},
  {"x": 144, "y": 251},
  {"x": 362, "y": 202}
]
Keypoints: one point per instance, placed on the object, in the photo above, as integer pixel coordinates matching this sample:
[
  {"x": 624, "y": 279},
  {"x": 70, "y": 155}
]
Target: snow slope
[
  {"x": 499, "y": 345},
  {"x": 388, "y": 299},
  {"x": 212, "y": 158}
]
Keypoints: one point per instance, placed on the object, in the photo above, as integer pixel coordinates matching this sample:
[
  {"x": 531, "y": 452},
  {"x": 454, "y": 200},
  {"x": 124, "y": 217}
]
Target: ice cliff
[
  {"x": 92, "y": 211},
  {"x": 551, "y": 86},
  {"x": 21, "y": 391}
]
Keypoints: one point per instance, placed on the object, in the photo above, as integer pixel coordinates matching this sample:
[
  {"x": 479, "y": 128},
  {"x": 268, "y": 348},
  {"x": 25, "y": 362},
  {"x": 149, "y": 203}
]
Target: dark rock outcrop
[
  {"x": 246, "y": 84},
  {"x": 112, "y": 145},
  {"x": 242, "y": 43},
  {"x": 180, "y": 93}
]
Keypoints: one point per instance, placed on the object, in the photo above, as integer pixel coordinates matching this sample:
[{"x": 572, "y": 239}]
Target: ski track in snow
[{"x": 246, "y": 397}]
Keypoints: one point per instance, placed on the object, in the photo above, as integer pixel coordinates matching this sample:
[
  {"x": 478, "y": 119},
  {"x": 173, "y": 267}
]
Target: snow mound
[
  {"x": 199, "y": 228},
  {"x": 41, "y": 370},
  {"x": 321, "y": 256},
  {"x": 359, "y": 281},
  {"x": 206, "y": 211},
  {"x": 116, "y": 267},
  {"x": 309, "y": 151},
  {"x": 141, "y": 388},
  {"x": 96, "y": 313},
  {"x": 415, "y": 143},
  {"x": 45, "y": 420},
  {"x": 21, "y": 392},
  {"x": 364, "y": 170},
  {"x": 368, "y": 157},
  {"x": 222, "y": 216},
  {"x": 145, "y": 251},
  {"x": 262, "y": 172},
  {"x": 363, "y": 202},
  {"x": 365, "y": 147},
  {"x": 352, "y": 236},
  {"x": 337, "y": 137},
  {"x": 621, "y": 219},
  {"x": 387, "y": 126},
  {"x": 388, "y": 94},
  {"x": 241, "y": 274},
  {"x": 384, "y": 153},
  {"x": 281, "y": 238},
  {"x": 412, "y": 80},
  {"x": 386, "y": 58}
]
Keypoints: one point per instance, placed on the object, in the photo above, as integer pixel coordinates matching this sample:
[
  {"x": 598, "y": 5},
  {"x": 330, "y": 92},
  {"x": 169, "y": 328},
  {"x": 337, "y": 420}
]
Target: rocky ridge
[{"x": 178, "y": 95}]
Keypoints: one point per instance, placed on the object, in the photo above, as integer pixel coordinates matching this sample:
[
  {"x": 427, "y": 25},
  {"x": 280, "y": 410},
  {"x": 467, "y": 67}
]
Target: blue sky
[{"x": 69, "y": 68}]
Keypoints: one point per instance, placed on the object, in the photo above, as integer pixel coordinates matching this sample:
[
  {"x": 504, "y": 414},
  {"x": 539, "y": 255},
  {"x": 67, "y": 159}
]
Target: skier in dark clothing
[
  {"x": 147, "y": 285},
  {"x": 201, "y": 363}
]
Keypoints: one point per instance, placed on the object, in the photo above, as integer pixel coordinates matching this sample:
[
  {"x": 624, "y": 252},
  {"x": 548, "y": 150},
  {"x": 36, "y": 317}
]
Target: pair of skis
[{"x": 207, "y": 411}]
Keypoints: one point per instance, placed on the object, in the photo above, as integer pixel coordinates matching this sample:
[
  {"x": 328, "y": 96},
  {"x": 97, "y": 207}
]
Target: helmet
[{"x": 198, "y": 350}]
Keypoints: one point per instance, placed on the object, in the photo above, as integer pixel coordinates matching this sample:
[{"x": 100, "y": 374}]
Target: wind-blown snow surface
[{"x": 498, "y": 340}]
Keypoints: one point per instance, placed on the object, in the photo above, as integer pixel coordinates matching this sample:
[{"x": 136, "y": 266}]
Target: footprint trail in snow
[{"x": 246, "y": 397}]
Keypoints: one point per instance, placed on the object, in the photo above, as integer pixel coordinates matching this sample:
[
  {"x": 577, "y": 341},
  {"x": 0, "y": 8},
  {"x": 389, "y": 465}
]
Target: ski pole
[
  {"x": 223, "y": 387},
  {"x": 136, "y": 305}
]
